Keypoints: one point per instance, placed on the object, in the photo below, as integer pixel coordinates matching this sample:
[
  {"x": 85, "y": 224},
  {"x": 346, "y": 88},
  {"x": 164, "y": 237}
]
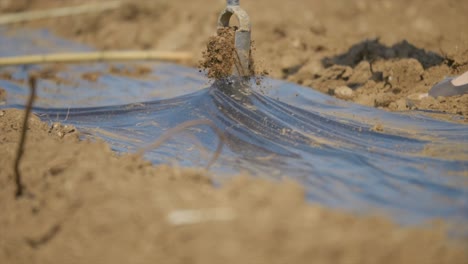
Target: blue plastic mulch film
[{"x": 276, "y": 130}]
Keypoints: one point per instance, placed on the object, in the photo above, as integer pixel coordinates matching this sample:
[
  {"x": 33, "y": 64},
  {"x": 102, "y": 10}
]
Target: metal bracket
[{"x": 242, "y": 35}]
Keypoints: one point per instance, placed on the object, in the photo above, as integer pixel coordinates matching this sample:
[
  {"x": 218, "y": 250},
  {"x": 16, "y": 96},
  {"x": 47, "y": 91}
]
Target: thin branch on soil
[
  {"x": 96, "y": 56},
  {"x": 19, "y": 184},
  {"x": 184, "y": 126},
  {"x": 59, "y": 12}
]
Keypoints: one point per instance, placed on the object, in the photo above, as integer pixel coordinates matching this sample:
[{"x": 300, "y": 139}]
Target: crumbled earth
[
  {"x": 383, "y": 50},
  {"x": 219, "y": 57},
  {"x": 85, "y": 204}
]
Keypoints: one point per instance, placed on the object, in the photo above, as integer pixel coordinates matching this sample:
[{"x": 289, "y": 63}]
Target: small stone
[{"x": 343, "y": 92}]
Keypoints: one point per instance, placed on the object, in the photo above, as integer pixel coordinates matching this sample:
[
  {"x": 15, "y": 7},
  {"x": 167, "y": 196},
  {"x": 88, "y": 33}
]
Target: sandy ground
[{"x": 85, "y": 204}]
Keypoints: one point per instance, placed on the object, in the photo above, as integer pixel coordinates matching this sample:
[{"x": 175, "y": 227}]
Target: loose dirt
[
  {"x": 88, "y": 205},
  {"x": 219, "y": 57}
]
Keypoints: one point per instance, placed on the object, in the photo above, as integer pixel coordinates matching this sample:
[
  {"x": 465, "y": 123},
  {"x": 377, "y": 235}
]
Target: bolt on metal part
[{"x": 242, "y": 35}]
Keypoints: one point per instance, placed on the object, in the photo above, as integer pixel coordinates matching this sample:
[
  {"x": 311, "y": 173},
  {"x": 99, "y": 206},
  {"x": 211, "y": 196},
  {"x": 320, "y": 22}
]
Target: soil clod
[{"x": 219, "y": 57}]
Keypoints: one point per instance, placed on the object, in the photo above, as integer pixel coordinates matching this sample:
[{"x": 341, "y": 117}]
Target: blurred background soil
[
  {"x": 375, "y": 53},
  {"x": 86, "y": 204}
]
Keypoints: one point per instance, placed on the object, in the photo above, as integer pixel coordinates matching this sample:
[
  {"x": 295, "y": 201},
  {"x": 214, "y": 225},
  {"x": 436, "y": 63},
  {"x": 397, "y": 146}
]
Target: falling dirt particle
[
  {"x": 257, "y": 67},
  {"x": 218, "y": 59}
]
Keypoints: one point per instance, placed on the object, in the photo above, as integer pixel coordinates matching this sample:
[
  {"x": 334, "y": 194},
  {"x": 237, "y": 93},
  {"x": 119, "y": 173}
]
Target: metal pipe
[{"x": 242, "y": 35}]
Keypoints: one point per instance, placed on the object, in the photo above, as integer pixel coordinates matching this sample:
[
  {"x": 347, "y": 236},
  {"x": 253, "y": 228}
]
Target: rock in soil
[{"x": 343, "y": 92}]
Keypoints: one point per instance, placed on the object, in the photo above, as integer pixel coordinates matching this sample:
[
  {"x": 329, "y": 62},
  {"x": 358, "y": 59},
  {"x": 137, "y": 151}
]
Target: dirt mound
[
  {"x": 384, "y": 77},
  {"x": 88, "y": 205}
]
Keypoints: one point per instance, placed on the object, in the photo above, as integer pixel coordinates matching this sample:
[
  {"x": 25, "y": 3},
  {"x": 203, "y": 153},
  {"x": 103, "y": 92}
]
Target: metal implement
[{"x": 242, "y": 35}]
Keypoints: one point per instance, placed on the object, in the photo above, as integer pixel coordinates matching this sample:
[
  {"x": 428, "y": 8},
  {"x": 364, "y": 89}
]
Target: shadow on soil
[{"x": 371, "y": 50}]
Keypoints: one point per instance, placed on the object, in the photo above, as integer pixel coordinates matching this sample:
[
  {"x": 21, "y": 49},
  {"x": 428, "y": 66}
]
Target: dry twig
[
  {"x": 96, "y": 56},
  {"x": 181, "y": 127},
  {"x": 19, "y": 154}
]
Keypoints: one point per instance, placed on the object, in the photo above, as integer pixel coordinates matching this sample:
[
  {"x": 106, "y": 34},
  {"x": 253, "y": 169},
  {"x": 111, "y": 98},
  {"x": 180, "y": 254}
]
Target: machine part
[
  {"x": 451, "y": 86},
  {"x": 242, "y": 36}
]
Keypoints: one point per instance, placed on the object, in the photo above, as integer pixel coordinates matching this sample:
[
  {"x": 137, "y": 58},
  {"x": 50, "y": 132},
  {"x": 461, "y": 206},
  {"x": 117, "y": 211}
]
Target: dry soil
[{"x": 85, "y": 204}]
